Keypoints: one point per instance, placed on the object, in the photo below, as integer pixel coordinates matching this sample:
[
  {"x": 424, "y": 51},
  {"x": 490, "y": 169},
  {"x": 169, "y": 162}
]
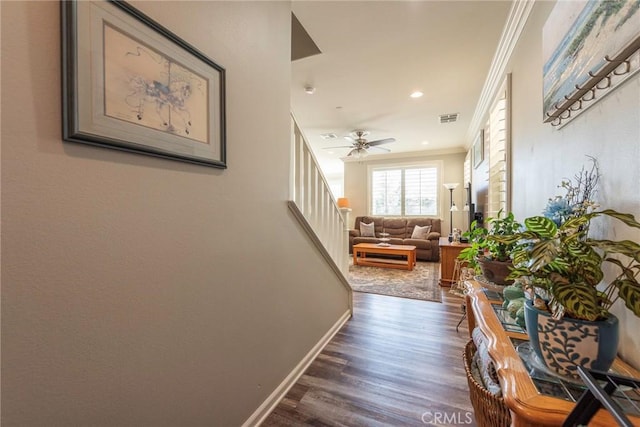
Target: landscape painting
[{"x": 577, "y": 37}]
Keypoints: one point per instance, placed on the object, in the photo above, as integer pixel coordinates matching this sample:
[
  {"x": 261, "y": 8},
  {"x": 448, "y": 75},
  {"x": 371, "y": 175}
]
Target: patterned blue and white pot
[{"x": 565, "y": 344}]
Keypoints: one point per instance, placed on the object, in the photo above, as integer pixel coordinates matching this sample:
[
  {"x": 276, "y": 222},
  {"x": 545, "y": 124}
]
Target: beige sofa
[{"x": 400, "y": 231}]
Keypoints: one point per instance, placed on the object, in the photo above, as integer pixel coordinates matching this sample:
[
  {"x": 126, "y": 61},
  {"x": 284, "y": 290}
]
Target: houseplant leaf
[
  {"x": 628, "y": 219},
  {"x": 580, "y": 300},
  {"x": 629, "y": 291},
  {"x": 542, "y": 226},
  {"x": 624, "y": 247},
  {"x": 542, "y": 253}
]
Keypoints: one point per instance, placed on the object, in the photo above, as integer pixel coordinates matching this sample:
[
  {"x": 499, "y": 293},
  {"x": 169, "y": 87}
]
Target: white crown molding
[{"x": 518, "y": 15}]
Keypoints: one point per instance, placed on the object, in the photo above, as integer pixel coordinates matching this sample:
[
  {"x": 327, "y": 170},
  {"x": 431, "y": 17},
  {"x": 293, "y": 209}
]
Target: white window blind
[
  {"x": 467, "y": 170},
  {"x": 497, "y": 142},
  {"x": 386, "y": 192},
  {"x": 405, "y": 191}
]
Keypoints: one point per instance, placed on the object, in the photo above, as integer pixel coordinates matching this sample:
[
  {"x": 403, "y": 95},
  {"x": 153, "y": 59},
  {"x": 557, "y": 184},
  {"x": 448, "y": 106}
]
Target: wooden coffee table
[{"x": 364, "y": 249}]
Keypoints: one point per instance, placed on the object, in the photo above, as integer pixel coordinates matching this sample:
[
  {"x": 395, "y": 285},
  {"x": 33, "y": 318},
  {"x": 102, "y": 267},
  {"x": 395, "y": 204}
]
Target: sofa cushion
[
  {"x": 420, "y": 232},
  {"x": 367, "y": 230},
  {"x": 422, "y": 221},
  {"x": 377, "y": 220},
  {"x": 418, "y": 243},
  {"x": 396, "y": 227}
]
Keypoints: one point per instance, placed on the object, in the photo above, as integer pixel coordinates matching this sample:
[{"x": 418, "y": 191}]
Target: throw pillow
[
  {"x": 367, "y": 230},
  {"x": 420, "y": 232}
]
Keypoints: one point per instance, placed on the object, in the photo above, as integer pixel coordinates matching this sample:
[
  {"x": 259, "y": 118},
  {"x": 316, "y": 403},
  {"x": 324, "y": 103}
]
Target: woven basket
[{"x": 490, "y": 411}]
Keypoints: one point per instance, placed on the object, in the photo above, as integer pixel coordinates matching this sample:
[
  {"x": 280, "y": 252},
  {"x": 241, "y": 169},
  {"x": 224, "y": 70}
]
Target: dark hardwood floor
[{"x": 397, "y": 362}]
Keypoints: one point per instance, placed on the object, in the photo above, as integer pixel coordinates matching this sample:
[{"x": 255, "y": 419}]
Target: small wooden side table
[{"x": 449, "y": 251}]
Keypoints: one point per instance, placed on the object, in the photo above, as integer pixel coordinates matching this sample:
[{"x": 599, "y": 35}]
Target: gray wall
[
  {"x": 141, "y": 291},
  {"x": 542, "y": 156}
]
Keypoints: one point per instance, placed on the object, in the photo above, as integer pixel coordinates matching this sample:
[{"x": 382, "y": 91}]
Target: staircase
[{"x": 314, "y": 206}]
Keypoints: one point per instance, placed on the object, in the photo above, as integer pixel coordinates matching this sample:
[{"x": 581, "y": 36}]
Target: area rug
[{"x": 420, "y": 283}]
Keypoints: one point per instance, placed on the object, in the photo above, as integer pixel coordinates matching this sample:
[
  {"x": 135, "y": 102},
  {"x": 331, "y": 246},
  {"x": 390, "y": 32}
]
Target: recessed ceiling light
[
  {"x": 416, "y": 94},
  {"x": 330, "y": 152},
  {"x": 425, "y": 142}
]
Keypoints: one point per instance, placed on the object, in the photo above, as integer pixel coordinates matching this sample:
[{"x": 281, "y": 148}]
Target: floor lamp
[{"x": 452, "y": 206}]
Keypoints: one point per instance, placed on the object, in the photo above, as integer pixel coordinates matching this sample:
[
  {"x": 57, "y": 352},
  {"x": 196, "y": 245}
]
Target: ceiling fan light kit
[{"x": 358, "y": 153}]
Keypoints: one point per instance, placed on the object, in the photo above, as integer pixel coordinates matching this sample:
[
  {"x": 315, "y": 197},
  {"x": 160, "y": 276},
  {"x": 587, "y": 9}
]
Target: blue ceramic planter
[{"x": 565, "y": 344}]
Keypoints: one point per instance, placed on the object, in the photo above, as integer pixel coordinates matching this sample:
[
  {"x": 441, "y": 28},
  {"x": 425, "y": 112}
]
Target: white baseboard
[{"x": 274, "y": 398}]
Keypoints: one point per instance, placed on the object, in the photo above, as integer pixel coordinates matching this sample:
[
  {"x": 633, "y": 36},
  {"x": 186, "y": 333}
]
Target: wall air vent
[
  {"x": 448, "y": 118},
  {"x": 327, "y": 136}
]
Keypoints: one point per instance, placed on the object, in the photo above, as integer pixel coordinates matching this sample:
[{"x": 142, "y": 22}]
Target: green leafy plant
[
  {"x": 501, "y": 226},
  {"x": 482, "y": 246},
  {"x": 562, "y": 262},
  {"x": 555, "y": 257},
  {"x": 477, "y": 237}
]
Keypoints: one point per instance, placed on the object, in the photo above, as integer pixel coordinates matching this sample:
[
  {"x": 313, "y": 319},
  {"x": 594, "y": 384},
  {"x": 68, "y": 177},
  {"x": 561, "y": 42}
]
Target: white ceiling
[{"x": 376, "y": 53}]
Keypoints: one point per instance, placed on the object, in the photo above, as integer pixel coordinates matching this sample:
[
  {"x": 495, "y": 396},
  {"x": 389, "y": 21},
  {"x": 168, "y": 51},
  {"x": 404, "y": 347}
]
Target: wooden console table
[
  {"x": 527, "y": 405},
  {"x": 448, "y": 254}
]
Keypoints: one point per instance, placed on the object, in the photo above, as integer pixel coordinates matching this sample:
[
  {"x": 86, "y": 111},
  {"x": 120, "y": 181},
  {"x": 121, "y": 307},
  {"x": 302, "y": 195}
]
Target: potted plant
[
  {"x": 489, "y": 256},
  {"x": 568, "y": 318}
]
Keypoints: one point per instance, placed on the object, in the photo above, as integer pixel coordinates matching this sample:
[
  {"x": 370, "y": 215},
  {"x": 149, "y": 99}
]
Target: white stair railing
[{"x": 314, "y": 201}]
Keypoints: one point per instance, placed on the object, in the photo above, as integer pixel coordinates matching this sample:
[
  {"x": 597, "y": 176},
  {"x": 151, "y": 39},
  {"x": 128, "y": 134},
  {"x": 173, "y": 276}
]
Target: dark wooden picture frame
[{"x": 130, "y": 84}]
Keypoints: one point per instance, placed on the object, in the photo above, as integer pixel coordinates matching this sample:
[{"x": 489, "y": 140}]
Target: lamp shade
[
  {"x": 451, "y": 186},
  {"x": 454, "y": 208},
  {"x": 343, "y": 202}
]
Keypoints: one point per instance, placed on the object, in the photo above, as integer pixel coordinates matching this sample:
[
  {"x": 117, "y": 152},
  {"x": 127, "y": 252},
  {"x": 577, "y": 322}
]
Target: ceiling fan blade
[
  {"x": 339, "y": 146},
  {"x": 381, "y": 148},
  {"x": 348, "y": 138},
  {"x": 381, "y": 141}
]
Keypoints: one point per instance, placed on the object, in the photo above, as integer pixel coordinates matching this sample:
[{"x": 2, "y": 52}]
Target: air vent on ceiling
[
  {"x": 448, "y": 118},
  {"x": 327, "y": 136}
]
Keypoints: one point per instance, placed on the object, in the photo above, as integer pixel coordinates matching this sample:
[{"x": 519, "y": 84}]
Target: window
[{"x": 404, "y": 191}]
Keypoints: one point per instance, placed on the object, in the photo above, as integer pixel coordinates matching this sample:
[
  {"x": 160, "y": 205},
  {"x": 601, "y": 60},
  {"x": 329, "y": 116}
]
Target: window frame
[{"x": 437, "y": 164}]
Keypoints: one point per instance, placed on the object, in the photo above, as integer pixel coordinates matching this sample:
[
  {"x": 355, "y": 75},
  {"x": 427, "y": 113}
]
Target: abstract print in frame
[
  {"x": 589, "y": 48},
  {"x": 130, "y": 84}
]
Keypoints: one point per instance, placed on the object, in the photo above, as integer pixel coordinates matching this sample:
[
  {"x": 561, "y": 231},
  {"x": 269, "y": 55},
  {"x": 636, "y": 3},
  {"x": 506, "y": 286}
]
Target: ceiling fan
[{"x": 360, "y": 146}]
